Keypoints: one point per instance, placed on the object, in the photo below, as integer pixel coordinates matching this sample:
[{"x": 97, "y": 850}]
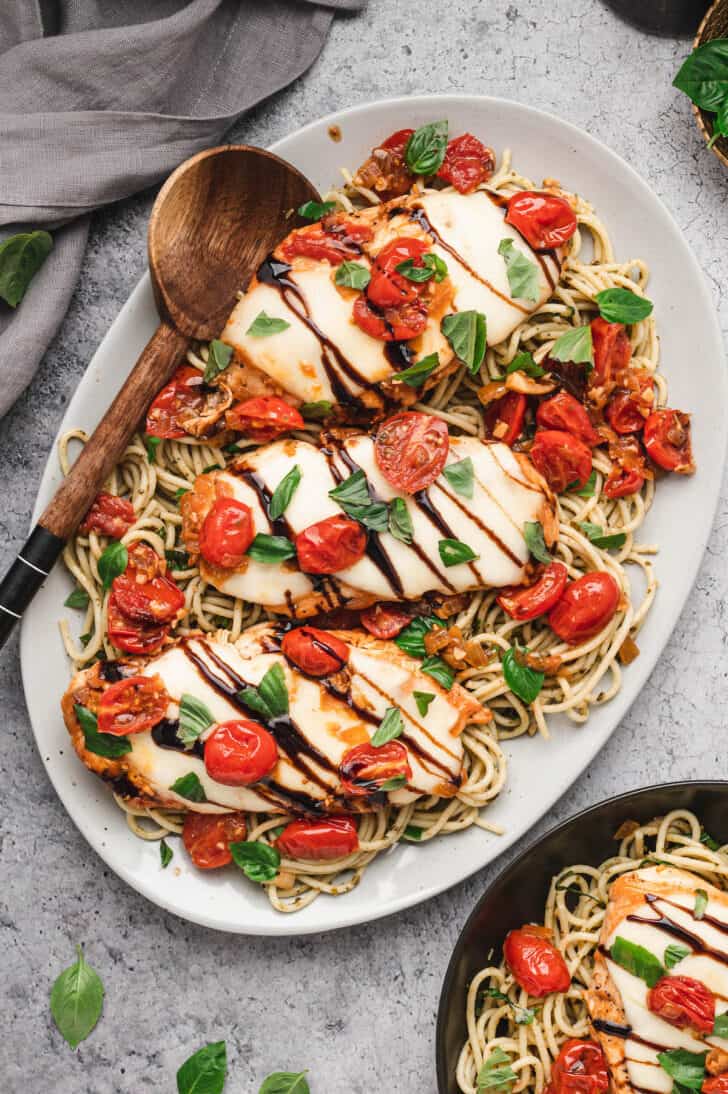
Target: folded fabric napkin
[{"x": 102, "y": 98}]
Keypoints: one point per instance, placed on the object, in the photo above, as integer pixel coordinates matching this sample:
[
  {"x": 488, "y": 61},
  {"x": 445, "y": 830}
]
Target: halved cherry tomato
[
  {"x": 319, "y": 840},
  {"x": 626, "y": 410},
  {"x": 315, "y": 652},
  {"x": 667, "y": 440},
  {"x": 240, "y": 752},
  {"x": 385, "y": 620},
  {"x": 612, "y": 351},
  {"x": 227, "y": 532},
  {"x": 263, "y": 418},
  {"x": 365, "y": 768},
  {"x": 109, "y": 515},
  {"x": 389, "y": 289},
  {"x": 715, "y": 1084},
  {"x": 536, "y": 964},
  {"x": 144, "y": 593},
  {"x": 393, "y": 324},
  {"x": 535, "y": 600},
  {"x": 503, "y": 417},
  {"x": 132, "y": 705},
  {"x": 579, "y": 1068},
  {"x": 467, "y": 163},
  {"x": 207, "y": 837},
  {"x": 333, "y": 240},
  {"x": 585, "y": 607},
  {"x": 561, "y": 458},
  {"x": 411, "y": 449},
  {"x": 683, "y": 1002},
  {"x": 183, "y": 393},
  {"x": 544, "y": 220},
  {"x": 565, "y": 412},
  {"x": 330, "y": 545},
  {"x": 397, "y": 141},
  {"x": 132, "y": 637},
  {"x": 622, "y": 481}
]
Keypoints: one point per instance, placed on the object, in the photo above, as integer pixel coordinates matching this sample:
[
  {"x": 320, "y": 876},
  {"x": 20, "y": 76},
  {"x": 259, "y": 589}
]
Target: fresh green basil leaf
[
  {"x": 84, "y": 639},
  {"x": 112, "y": 562},
  {"x": 701, "y": 903},
  {"x": 522, "y": 273},
  {"x": 720, "y": 1028},
  {"x": 264, "y": 325},
  {"x": 315, "y": 210},
  {"x": 180, "y": 492},
  {"x": 101, "y": 744},
  {"x": 432, "y": 267},
  {"x": 674, "y": 953},
  {"x": 437, "y": 264},
  {"x": 391, "y": 726},
  {"x": 286, "y": 1082},
  {"x": 218, "y": 359},
  {"x": 707, "y": 840},
  {"x": 637, "y": 960},
  {"x": 438, "y": 670},
  {"x": 353, "y": 496},
  {"x": 423, "y": 700},
  {"x": 595, "y": 534},
  {"x": 564, "y": 887},
  {"x": 622, "y": 306},
  {"x": 400, "y": 522},
  {"x": 703, "y": 76},
  {"x": 189, "y": 786},
  {"x": 270, "y": 698},
  {"x": 461, "y": 476},
  {"x": 589, "y": 487},
  {"x": 524, "y": 362},
  {"x": 425, "y": 150},
  {"x": 194, "y": 718},
  {"x": 166, "y": 854},
  {"x": 284, "y": 492},
  {"x": 271, "y": 549},
  {"x": 258, "y": 861},
  {"x": 496, "y": 1075},
  {"x": 21, "y": 256},
  {"x": 77, "y": 999},
  {"x": 204, "y": 1073},
  {"x": 177, "y": 559},
  {"x": 316, "y": 411},
  {"x": 417, "y": 374},
  {"x": 211, "y": 467},
  {"x": 412, "y": 833},
  {"x": 523, "y": 681},
  {"x": 466, "y": 333},
  {"x": 523, "y": 1016},
  {"x": 453, "y": 552},
  {"x": 151, "y": 444},
  {"x": 574, "y": 345},
  {"x": 394, "y": 783},
  {"x": 683, "y": 1067},
  {"x": 411, "y": 640},
  {"x": 352, "y": 275},
  {"x": 79, "y": 598},
  {"x": 533, "y": 535}
]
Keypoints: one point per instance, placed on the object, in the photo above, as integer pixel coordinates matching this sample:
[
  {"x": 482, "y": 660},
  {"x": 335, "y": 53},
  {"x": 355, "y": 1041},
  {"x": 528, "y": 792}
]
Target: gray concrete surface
[{"x": 356, "y": 1007}]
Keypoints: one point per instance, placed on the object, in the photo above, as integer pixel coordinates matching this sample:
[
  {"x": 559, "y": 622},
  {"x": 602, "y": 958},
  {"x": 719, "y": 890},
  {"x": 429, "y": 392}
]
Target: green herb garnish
[
  {"x": 264, "y": 325},
  {"x": 77, "y": 999},
  {"x": 466, "y": 333}
]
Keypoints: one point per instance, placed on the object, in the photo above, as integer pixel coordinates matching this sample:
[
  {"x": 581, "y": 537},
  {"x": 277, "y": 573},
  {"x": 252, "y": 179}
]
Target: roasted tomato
[
  {"x": 535, "y": 600},
  {"x": 181, "y": 398},
  {"x": 263, "y": 418},
  {"x": 544, "y": 220},
  {"x": 109, "y": 516},
  {"x": 566, "y": 413},
  {"x": 144, "y": 593},
  {"x": 207, "y": 837},
  {"x": 562, "y": 459},
  {"x": 579, "y": 1068},
  {"x": 315, "y": 652},
  {"x": 585, "y": 607},
  {"x": 683, "y": 1002},
  {"x": 627, "y": 409},
  {"x": 503, "y": 417},
  {"x": 333, "y": 240},
  {"x": 622, "y": 481},
  {"x": 467, "y": 163},
  {"x": 385, "y": 620},
  {"x": 716, "y": 1084},
  {"x": 536, "y": 964},
  {"x": 392, "y": 324},
  {"x": 612, "y": 351},
  {"x": 227, "y": 532},
  {"x": 667, "y": 440},
  {"x": 319, "y": 840},
  {"x": 386, "y": 171},
  {"x": 132, "y": 705},
  {"x": 133, "y": 637},
  {"x": 411, "y": 449},
  {"x": 389, "y": 289},
  {"x": 239, "y": 752},
  {"x": 366, "y": 769},
  {"x": 330, "y": 545}
]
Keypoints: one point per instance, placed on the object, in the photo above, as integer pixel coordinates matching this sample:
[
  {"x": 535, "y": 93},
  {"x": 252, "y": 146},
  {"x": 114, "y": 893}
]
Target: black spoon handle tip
[{"x": 26, "y": 575}]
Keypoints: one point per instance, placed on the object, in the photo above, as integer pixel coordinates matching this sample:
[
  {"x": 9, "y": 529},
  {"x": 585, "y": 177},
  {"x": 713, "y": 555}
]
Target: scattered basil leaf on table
[
  {"x": 178, "y": 560},
  {"x": 79, "y": 598},
  {"x": 438, "y": 670},
  {"x": 390, "y": 727},
  {"x": 709, "y": 842},
  {"x": 352, "y": 275},
  {"x": 270, "y": 698},
  {"x": 417, "y": 374},
  {"x": 112, "y": 562},
  {"x": 152, "y": 444},
  {"x": 522, "y": 273},
  {"x": 264, "y": 325},
  {"x": 461, "y": 476},
  {"x": 400, "y": 522},
  {"x": 258, "y": 861},
  {"x": 271, "y": 549},
  {"x": 685, "y": 1068},
  {"x": 353, "y": 496},
  {"x": 496, "y": 1074},
  {"x": 194, "y": 718},
  {"x": 21, "y": 256},
  {"x": 622, "y": 306},
  {"x": 101, "y": 744},
  {"x": 284, "y": 492},
  {"x": 314, "y": 210},
  {"x": 523, "y": 681},
  {"x": 394, "y": 783},
  {"x": 574, "y": 345},
  {"x": 703, "y": 75},
  {"x": 674, "y": 953},
  {"x": 423, "y": 700},
  {"x": 425, "y": 150},
  {"x": 77, "y": 999},
  {"x": 286, "y": 1082},
  {"x": 411, "y": 640},
  {"x": 316, "y": 411},
  {"x": 637, "y": 960},
  {"x": 453, "y": 552},
  {"x": 595, "y": 534},
  {"x": 412, "y": 833},
  {"x": 524, "y": 362},
  {"x": 204, "y": 1072},
  {"x": 166, "y": 854},
  {"x": 218, "y": 359},
  {"x": 720, "y": 1028},
  {"x": 189, "y": 786},
  {"x": 701, "y": 903},
  {"x": 533, "y": 535},
  {"x": 466, "y": 333}
]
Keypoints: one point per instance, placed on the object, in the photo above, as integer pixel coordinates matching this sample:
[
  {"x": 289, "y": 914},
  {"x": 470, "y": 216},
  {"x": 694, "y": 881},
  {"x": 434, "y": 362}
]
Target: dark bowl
[
  {"x": 714, "y": 25},
  {"x": 518, "y": 894}
]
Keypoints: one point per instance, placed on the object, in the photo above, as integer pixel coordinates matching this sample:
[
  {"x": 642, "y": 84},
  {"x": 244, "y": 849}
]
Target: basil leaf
[
  {"x": 283, "y": 493},
  {"x": 438, "y": 670},
  {"x": 79, "y": 598},
  {"x": 461, "y": 476},
  {"x": 314, "y": 210},
  {"x": 496, "y": 1074},
  {"x": 353, "y": 496},
  {"x": 400, "y": 522},
  {"x": 701, "y": 903},
  {"x": 391, "y": 726},
  {"x": 437, "y": 264},
  {"x": 703, "y": 76},
  {"x": 423, "y": 700},
  {"x": 720, "y": 1029},
  {"x": 211, "y": 467},
  {"x": 453, "y": 552},
  {"x": 178, "y": 560},
  {"x": 352, "y": 275},
  {"x": 524, "y": 362},
  {"x": 425, "y": 150},
  {"x": 270, "y": 698},
  {"x": 412, "y": 833},
  {"x": 258, "y": 861},
  {"x": 274, "y": 833},
  {"x": 394, "y": 783},
  {"x": 21, "y": 256},
  {"x": 574, "y": 345},
  {"x": 720, "y": 123},
  {"x": 316, "y": 411},
  {"x": 194, "y": 719},
  {"x": 112, "y": 562},
  {"x": 433, "y": 267},
  {"x": 637, "y": 960},
  {"x": 705, "y": 838},
  {"x": 189, "y": 786},
  {"x": 218, "y": 359},
  {"x": 417, "y": 374},
  {"x": 564, "y": 887},
  {"x": 622, "y": 306},
  {"x": 411, "y": 640},
  {"x": 107, "y": 745},
  {"x": 522, "y": 273},
  {"x": 166, "y": 854},
  {"x": 286, "y": 1082},
  {"x": 533, "y": 535},
  {"x": 271, "y": 549},
  {"x": 674, "y": 953},
  {"x": 466, "y": 333},
  {"x": 523, "y": 681},
  {"x": 588, "y": 489},
  {"x": 683, "y": 1067},
  {"x": 152, "y": 444},
  {"x": 264, "y": 325},
  {"x": 523, "y": 1016},
  {"x": 204, "y": 1072},
  {"x": 84, "y": 639},
  {"x": 180, "y": 492},
  {"x": 595, "y": 535},
  {"x": 77, "y": 999}
]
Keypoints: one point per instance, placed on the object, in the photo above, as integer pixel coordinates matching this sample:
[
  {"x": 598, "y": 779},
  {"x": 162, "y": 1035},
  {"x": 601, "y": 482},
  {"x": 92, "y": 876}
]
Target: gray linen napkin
[{"x": 102, "y": 98}]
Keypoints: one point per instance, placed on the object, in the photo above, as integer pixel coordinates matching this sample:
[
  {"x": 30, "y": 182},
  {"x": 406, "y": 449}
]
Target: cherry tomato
[
  {"x": 330, "y": 545},
  {"x": 585, "y": 607},
  {"x": 315, "y": 652},
  {"x": 333, "y": 240},
  {"x": 183, "y": 394},
  {"x": 612, "y": 351},
  {"x": 144, "y": 593},
  {"x": 503, "y": 417},
  {"x": 393, "y": 324},
  {"x": 132, "y": 705},
  {"x": 397, "y": 141},
  {"x": 411, "y": 449},
  {"x": 207, "y": 837},
  {"x": 386, "y": 171},
  {"x": 536, "y": 964},
  {"x": 389, "y": 289},
  {"x": 535, "y": 600},
  {"x": 716, "y": 1084},
  {"x": 319, "y": 840},
  {"x": 263, "y": 418},
  {"x": 544, "y": 220},
  {"x": 561, "y": 458},
  {"x": 467, "y": 163},
  {"x": 623, "y": 412},
  {"x": 109, "y": 515},
  {"x": 683, "y": 1002},
  {"x": 132, "y": 637},
  {"x": 227, "y": 532},
  {"x": 580, "y": 1067},
  {"x": 623, "y": 481},
  {"x": 667, "y": 440},
  {"x": 365, "y": 768},
  {"x": 239, "y": 753},
  {"x": 385, "y": 620},
  {"x": 566, "y": 413}
]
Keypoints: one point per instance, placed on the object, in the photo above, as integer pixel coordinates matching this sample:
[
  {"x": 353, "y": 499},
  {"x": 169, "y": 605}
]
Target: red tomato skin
[
  {"x": 716, "y": 1084},
  {"x": 585, "y": 607},
  {"x": 564, "y": 412},
  {"x": 240, "y": 752},
  {"x": 385, "y": 620},
  {"x": 161, "y": 414},
  {"x": 263, "y": 418},
  {"x": 109, "y": 516},
  {"x": 561, "y": 458},
  {"x": 537, "y": 599},
  {"x": 143, "y": 593},
  {"x": 398, "y": 324},
  {"x": 333, "y": 240},
  {"x": 227, "y": 532},
  {"x": 579, "y": 1068},
  {"x": 536, "y": 964},
  {"x": 667, "y": 440},
  {"x": 319, "y": 840},
  {"x": 510, "y": 410},
  {"x": 683, "y": 1002},
  {"x": 622, "y": 481},
  {"x": 132, "y": 705},
  {"x": 612, "y": 351},
  {"x": 623, "y": 414},
  {"x": 544, "y": 220},
  {"x": 397, "y": 141},
  {"x": 467, "y": 163},
  {"x": 330, "y": 545},
  {"x": 315, "y": 652},
  {"x": 388, "y": 288},
  {"x": 130, "y": 636},
  {"x": 207, "y": 837},
  {"x": 411, "y": 449},
  {"x": 364, "y": 768}
]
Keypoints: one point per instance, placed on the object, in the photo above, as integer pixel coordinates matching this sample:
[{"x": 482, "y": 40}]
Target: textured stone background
[{"x": 356, "y": 1007}]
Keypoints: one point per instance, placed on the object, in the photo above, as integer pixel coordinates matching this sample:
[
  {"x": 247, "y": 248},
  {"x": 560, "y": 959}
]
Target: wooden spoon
[{"x": 214, "y": 221}]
